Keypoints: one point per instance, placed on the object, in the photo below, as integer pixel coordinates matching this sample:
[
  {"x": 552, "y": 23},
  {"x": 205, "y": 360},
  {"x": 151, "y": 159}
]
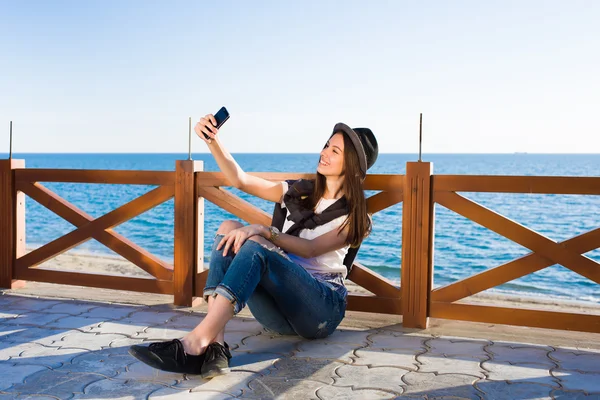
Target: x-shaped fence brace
[
  {"x": 546, "y": 252},
  {"x": 254, "y": 215},
  {"x": 98, "y": 228}
]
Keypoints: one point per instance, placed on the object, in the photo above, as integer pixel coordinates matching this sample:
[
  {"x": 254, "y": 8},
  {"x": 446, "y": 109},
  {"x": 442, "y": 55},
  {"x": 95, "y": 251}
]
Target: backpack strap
[{"x": 307, "y": 219}]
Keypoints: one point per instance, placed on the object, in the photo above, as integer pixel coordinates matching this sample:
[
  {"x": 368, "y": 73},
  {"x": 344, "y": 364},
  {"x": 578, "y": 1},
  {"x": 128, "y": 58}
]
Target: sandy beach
[{"x": 75, "y": 261}]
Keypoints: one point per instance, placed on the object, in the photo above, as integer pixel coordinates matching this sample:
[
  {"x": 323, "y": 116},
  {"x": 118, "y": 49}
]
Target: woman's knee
[{"x": 227, "y": 226}]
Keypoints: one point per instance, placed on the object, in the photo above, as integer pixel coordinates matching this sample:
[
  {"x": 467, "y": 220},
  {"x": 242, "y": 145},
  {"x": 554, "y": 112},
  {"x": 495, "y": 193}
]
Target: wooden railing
[
  {"x": 544, "y": 251},
  {"x": 418, "y": 189},
  {"x": 386, "y": 299}
]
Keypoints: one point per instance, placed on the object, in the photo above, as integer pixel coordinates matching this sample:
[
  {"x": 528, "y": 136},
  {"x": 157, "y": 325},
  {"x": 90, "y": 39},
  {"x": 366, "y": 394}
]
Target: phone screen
[{"x": 221, "y": 116}]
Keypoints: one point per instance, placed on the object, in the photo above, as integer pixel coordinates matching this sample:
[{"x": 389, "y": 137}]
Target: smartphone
[{"x": 220, "y": 117}]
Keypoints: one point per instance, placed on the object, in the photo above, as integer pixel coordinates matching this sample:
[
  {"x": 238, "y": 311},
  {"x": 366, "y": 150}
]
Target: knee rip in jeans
[{"x": 274, "y": 249}]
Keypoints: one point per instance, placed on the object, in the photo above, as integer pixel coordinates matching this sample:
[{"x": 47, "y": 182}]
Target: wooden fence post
[
  {"x": 12, "y": 222},
  {"x": 417, "y": 245},
  {"x": 186, "y": 231}
]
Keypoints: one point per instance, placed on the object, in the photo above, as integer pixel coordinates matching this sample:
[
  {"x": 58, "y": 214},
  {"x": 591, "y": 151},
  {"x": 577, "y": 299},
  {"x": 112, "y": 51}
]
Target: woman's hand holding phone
[{"x": 206, "y": 128}]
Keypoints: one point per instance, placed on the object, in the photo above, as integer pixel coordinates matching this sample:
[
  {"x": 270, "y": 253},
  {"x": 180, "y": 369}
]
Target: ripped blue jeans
[{"x": 281, "y": 294}]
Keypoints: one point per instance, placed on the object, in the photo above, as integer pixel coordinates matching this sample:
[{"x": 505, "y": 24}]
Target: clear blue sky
[{"x": 123, "y": 76}]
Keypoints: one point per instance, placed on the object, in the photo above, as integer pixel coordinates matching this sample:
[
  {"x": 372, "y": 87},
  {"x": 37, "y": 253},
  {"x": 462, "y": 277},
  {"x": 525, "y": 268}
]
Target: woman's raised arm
[{"x": 265, "y": 189}]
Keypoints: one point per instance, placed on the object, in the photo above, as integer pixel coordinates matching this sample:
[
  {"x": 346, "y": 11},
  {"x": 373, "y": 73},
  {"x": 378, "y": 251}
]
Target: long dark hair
[{"x": 358, "y": 220}]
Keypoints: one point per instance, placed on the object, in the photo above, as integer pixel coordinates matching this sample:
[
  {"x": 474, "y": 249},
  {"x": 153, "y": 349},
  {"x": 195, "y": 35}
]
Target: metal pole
[
  {"x": 420, "y": 135},
  {"x": 10, "y": 145},
  {"x": 190, "y": 140}
]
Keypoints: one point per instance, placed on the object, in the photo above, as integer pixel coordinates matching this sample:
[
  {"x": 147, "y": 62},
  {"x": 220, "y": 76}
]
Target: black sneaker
[
  {"x": 168, "y": 356},
  {"x": 216, "y": 361}
]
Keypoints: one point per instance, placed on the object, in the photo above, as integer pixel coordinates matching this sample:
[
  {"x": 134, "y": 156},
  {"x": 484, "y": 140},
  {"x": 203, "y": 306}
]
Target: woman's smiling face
[{"x": 331, "y": 162}]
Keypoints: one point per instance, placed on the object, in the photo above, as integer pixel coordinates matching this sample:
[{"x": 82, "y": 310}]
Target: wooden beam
[
  {"x": 387, "y": 182},
  {"x": 516, "y": 316},
  {"x": 520, "y": 234},
  {"x": 373, "y": 282},
  {"x": 235, "y": 205},
  {"x": 97, "y": 281},
  {"x": 383, "y": 200},
  {"x": 517, "y": 184},
  {"x": 512, "y": 270},
  {"x": 417, "y": 244},
  {"x": 159, "y": 178},
  {"x": 186, "y": 234},
  {"x": 374, "y": 304},
  {"x": 12, "y": 221},
  {"x": 109, "y": 238}
]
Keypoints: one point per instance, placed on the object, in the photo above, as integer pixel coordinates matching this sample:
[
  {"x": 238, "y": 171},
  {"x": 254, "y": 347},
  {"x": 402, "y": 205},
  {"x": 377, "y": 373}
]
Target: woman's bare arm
[
  {"x": 309, "y": 248},
  {"x": 263, "y": 188}
]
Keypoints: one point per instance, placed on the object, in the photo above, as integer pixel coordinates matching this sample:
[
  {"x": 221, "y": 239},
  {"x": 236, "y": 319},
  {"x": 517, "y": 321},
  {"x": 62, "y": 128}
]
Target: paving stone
[
  {"x": 33, "y": 303},
  {"x": 6, "y": 331},
  {"x": 108, "y": 362},
  {"x": 20, "y": 334},
  {"x": 243, "y": 324},
  {"x": 124, "y": 343},
  {"x": 323, "y": 350},
  {"x": 261, "y": 363},
  {"x": 437, "y": 386},
  {"x": 54, "y": 383},
  {"x": 90, "y": 341},
  {"x": 235, "y": 339},
  {"x": 314, "y": 370},
  {"x": 516, "y": 345},
  {"x": 518, "y": 355},
  {"x": 34, "y": 319},
  {"x": 110, "y": 312},
  {"x": 9, "y": 350},
  {"x": 159, "y": 333},
  {"x": 117, "y": 327},
  {"x": 575, "y": 380},
  {"x": 349, "y": 336},
  {"x": 568, "y": 395},
  {"x": 7, "y": 317},
  {"x": 386, "y": 358},
  {"x": 118, "y": 389},
  {"x": 281, "y": 388},
  {"x": 389, "y": 340},
  {"x": 346, "y": 393},
  {"x": 363, "y": 377},
  {"x": 186, "y": 321},
  {"x": 53, "y": 357},
  {"x": 513, "y": 391},
  {"x": 533, "y": 373},
  {"x": 449, "y": 365},
  {"x": 138, "y": 371},
  {"x": 16, "y": 374},
  {"x": 79, "y": 323},
  {"x": 269, "y": 344},
  {"x": 147, "y": 318},
  {"x": 472, "y": 348},
  {"x": 8, "y": 300},
  {"x": 176, "y": 394},
  {"x": 583, "y": 361},
  {"x": 72, "y": 308},
  {"x": 232, "y": 383}
]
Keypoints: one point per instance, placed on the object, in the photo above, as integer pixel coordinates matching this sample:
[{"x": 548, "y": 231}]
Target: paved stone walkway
[{"x": 66, "y": 349}]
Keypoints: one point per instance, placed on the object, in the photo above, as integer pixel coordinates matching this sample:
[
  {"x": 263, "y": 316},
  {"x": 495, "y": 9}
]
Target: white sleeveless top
[{"x": 331, "y": 262}]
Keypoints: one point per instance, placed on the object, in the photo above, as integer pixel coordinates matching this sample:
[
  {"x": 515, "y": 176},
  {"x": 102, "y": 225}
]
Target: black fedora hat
[{"x": 364, "y": 142}]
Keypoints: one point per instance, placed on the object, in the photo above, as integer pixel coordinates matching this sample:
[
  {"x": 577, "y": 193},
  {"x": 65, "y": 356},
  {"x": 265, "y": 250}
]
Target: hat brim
[{"x": 360, "y": 150}]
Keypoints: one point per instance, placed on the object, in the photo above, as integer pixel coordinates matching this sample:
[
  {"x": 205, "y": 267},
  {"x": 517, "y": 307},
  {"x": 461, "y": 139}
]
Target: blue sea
[{"x": 462, "y": 248}]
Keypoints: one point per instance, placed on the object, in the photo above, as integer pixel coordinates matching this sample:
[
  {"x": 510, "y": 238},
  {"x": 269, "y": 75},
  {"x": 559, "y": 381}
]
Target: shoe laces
[
  {"x": 216, "y": 350},
  {"x": 171, "y": 347}
]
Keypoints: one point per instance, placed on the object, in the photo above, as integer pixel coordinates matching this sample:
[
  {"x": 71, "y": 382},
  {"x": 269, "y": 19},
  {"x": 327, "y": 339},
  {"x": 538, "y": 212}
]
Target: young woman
[{"x": 292, "y": 282}]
